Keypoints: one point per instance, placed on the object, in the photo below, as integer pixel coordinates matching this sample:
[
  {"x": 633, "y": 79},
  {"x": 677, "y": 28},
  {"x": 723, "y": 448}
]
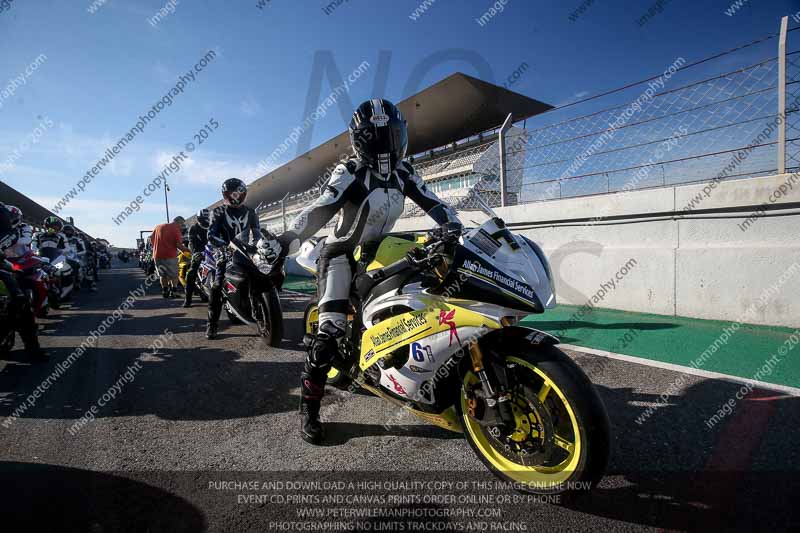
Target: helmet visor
[{"x": 372, "y": 142}]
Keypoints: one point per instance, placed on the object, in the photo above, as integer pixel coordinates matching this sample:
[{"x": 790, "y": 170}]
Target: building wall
[{"x": 696, "y": 264}]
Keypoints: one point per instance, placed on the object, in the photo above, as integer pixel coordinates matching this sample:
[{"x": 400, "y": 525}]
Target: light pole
[{"x": 166, "y": 198}]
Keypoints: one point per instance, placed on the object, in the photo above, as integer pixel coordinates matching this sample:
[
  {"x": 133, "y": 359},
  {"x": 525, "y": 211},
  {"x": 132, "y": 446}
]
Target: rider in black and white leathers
[
  {"x": 48, "y": 239},
  {"x": 20, "y": 314},
  {"x": 370, "y": 204},
  {"x": 369, "y": 197},
  {"x": 78, "y": 259},
  {"x": 232, "y": 220}
]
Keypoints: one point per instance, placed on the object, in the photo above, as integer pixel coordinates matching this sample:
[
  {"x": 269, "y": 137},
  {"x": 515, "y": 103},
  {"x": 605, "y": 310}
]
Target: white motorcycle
[{"x": 434, "y": 327}]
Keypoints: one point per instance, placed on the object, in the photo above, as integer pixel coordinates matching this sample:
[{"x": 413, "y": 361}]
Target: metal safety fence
[{"x": 733, "y": 115}]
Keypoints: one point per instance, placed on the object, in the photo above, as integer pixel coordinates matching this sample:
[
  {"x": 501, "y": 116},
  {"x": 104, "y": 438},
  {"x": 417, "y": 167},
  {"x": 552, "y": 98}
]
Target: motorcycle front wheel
[
  {"x": 235, "y": 320},
  {"x": 269, "y": 318},
  {"x": 560, "y": 443}
]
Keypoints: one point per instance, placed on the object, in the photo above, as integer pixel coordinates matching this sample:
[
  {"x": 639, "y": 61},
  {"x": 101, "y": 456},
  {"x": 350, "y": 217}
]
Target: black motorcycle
[{"x": 250, "y": 289}]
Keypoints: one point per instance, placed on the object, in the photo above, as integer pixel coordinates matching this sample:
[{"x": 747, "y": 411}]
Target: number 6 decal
[{"x": 417, "y": 353}]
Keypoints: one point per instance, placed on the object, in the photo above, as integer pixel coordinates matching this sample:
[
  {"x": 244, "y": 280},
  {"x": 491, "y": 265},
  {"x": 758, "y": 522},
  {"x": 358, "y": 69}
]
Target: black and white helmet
[
  {"x": 234, "y": 191},
  {"x": 203, "y": 218},
  {"x": 379, "y": 135}
]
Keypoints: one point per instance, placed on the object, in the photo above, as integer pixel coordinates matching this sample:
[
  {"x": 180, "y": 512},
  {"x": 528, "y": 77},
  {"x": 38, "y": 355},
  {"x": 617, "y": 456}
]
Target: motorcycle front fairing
[
  {"x": 495, "y": 266},
  {"x": 236, "y": 288},
  {"x": 243, "y": 279}
]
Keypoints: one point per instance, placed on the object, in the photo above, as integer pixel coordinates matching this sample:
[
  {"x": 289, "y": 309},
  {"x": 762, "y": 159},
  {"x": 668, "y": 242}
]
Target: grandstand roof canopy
[
  {"x": 455, "y": 108},
  {"x": 33, "y": 213}
]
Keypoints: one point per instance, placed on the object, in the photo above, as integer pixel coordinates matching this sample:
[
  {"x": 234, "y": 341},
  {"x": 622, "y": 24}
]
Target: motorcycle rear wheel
[{"x": 561, "y": 441}]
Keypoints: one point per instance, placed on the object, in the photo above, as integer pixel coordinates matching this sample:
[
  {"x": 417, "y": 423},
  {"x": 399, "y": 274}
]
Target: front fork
[{"x": 495, "y": 394}]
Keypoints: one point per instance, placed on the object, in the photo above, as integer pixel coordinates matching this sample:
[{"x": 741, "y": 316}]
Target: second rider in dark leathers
[
  {"x": 198, "y": 238},
  {"x": 369, "y": 193},
  {"x": 232, "y": 220}
]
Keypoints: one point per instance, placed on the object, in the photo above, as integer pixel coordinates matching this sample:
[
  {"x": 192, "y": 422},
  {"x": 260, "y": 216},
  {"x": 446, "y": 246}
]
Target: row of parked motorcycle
[{"x": 55, "y": 262}]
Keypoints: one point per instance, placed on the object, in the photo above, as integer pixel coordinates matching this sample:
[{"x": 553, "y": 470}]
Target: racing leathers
[
  {"x": 45, "y": 239},
  {"x": 368, "y": 204},
  {"x": 78, "y": 259},
  {"x": 228, "y": 222},
  {"x": 23, "y": 245},
  {"x": 198, "y": 237},
  {"x": 90, "y": 261},
  {"x": 20, "y": 312}
]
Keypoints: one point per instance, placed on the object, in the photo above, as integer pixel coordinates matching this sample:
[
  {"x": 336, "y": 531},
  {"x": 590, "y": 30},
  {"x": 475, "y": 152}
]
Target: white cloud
[
  {"x": 574, "y": 98},
  {"x": 163, "y": 73},
  {"x": 250, "y": 107},
  {"x": 95, "y": 216},
  {"x": 208, "y": 171}
]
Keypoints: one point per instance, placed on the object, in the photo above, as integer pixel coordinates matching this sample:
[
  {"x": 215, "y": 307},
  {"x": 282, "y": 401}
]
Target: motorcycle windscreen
[{"x": 474, "y": 278}]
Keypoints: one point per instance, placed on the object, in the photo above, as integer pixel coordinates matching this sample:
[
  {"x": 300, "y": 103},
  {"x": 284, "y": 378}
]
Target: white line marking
[
  {"x": 289, "y": 291},
  {"x": 792, "y": 391}
]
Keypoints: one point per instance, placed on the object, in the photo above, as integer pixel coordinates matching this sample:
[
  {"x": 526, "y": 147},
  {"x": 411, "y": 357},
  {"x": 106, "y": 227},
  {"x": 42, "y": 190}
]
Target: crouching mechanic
[
  {"x": 368, "y": 192},
  {"x": 198, "y": 238},
  {"x": 232, "y": 220}
]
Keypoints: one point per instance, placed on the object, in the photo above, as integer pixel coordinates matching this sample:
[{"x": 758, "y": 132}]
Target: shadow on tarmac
[
  {"x": 41, "y": 497},
  {"x": 740, "y": 474}
]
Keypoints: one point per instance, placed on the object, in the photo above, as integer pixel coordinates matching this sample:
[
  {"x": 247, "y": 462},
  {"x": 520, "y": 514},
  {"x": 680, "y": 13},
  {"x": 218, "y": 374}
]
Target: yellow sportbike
[{"x": 435, "y": 329}]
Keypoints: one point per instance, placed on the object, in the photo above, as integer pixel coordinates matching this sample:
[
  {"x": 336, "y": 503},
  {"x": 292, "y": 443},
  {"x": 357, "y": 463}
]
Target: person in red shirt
[{"x": 167, "y": 240}]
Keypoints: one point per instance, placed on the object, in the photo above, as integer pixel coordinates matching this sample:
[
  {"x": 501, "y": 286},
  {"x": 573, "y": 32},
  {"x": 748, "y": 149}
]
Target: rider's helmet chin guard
[
  {"x": 379, "y": 135},
  {"x": 234, "y": 192},
  {"x": 53, "y": 225}
]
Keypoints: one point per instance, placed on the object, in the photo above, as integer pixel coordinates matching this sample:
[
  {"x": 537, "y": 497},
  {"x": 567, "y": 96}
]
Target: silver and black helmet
[{"x": 379, "y": 135}]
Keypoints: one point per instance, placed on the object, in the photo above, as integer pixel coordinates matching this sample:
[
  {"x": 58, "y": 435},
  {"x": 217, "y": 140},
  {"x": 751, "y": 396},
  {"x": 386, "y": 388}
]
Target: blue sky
[{"x": 103, "y": 70}]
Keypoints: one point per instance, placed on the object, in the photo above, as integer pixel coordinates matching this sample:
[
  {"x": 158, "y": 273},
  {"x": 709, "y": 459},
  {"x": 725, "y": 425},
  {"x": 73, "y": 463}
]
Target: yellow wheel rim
[{"x": 568, "y": 437}]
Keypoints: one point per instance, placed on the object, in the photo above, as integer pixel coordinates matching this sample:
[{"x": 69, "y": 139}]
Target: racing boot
[
  {"x": 214, "y": 310},
  {"x": 312, "y": 389},
  {"x": 312, "y": 380},
  {"x": 189, "y": 291},
  {"x": 26, "y": 326}
]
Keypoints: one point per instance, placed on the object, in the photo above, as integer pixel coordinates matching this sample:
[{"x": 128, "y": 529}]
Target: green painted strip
[
  {"x": 299, "y": 284},
  {"x": 678, "y": 340}
]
